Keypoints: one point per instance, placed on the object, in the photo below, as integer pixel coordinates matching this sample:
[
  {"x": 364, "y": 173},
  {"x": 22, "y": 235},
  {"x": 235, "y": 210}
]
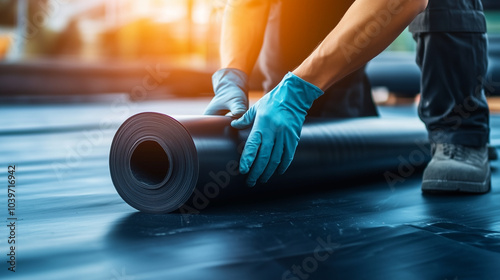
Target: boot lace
[{"x": 457, "y": 152}]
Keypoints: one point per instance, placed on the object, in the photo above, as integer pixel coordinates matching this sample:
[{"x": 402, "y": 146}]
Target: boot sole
[{"x": 447, "y": 186}]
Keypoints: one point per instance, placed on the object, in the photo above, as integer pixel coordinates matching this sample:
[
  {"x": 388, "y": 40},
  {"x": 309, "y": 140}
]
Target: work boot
[{"x": 457, "y": 168}]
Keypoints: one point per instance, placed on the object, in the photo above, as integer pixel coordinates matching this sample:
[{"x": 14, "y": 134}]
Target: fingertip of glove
[
  {"x": 282, "y": 170},
  {"x": 238, "y": 114},
  {"x": 251, "y": 184},
  {"x": 236, "y": 124},
  {"x": 243, "y": 170}
]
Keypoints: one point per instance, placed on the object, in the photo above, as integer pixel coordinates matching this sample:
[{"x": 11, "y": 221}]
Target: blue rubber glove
[
  {"x": 230, "y": 88},
  {"x": 278, "y": 118}
]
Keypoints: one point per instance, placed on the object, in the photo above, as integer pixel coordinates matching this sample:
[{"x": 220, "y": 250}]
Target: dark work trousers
[
  {"x": 452, "y": 54},
  {"x": 294, "y": 29}
]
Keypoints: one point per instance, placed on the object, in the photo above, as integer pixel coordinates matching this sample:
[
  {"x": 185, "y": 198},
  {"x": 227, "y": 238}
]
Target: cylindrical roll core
[{"x": 150, "y": 163}]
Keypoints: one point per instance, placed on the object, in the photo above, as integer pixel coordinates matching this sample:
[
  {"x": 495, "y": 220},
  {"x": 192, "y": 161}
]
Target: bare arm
[
  {"x": 243, "y": 28},
  {"x": 367, "y": 28}
]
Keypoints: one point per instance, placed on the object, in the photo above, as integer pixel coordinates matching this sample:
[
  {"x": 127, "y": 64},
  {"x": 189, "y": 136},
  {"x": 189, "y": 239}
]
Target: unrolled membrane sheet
[{"x": 160, "y": 163}]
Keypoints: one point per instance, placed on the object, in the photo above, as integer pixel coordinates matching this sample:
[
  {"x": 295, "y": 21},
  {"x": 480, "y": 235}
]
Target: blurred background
[
  {"x": 180, "y": 32},
  {"x": 69, "y": 47}
]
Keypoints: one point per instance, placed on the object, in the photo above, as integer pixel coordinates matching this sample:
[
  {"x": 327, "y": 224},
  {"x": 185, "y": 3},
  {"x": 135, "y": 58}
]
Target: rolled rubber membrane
[{"x": 160, "y": 164}]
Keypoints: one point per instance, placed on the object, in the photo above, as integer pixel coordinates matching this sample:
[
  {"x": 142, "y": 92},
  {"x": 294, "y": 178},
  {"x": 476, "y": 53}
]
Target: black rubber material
[{"x": 159, "y": 163}]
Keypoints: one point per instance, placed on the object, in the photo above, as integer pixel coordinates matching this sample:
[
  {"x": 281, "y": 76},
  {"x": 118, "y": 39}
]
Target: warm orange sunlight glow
[{"x": 182, "y": 32}]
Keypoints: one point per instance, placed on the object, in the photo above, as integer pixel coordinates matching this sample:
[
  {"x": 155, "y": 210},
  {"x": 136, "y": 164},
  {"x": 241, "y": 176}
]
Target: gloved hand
[
  {"x": 230, "y": 88},
  {"x": 279, "y": 116}
]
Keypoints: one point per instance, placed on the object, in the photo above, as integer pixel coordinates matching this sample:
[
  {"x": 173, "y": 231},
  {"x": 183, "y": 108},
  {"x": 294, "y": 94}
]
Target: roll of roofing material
[
  {"x": 159, "y": 163},
  {"x": 397, "y": 72}
]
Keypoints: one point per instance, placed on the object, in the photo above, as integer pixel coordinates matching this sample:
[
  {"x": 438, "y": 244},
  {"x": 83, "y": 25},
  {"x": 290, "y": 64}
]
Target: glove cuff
[
  {"x": 307, "y": 91},
  {"x": 228, "y": 78}
]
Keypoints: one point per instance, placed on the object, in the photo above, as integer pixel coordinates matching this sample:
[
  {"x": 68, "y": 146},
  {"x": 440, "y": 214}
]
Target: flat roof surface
[{"x": 72, "y": 224}]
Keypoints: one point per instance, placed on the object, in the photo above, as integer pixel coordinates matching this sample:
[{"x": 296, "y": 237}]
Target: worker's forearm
[
  {"x": 243, "y": 28},
  {"x": 367, "y": 28}
]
